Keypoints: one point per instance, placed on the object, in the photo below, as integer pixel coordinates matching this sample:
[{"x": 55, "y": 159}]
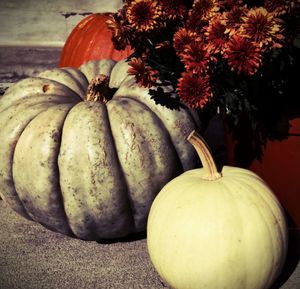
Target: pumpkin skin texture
[
  {"x": 89, "y": 169},
  {"x": 91, "y": 40},
  {"x": 226, "y": 231}
]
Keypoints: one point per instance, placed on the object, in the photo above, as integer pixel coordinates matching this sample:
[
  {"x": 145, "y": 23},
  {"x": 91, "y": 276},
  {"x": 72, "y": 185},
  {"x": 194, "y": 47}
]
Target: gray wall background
[
  {"x": 45, "y": 22},
  {"x": 33, "y": 32}
]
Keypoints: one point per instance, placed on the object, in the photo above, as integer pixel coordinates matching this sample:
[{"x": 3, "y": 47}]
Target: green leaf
[
  {"x": 165, "y": 98},
  {"x": 296, "y": 41}
]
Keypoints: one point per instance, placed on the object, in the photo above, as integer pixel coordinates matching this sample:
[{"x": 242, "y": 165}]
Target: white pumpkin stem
[{"x": 206, "y": 158}]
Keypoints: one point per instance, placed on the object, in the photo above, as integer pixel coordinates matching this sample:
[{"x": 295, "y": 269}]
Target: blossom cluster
[{"x": 182, "y": 43}]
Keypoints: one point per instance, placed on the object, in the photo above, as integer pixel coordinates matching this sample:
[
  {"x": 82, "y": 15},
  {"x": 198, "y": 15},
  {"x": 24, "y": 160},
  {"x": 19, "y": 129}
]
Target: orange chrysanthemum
[
  {"x": 195, "y": 57},
  {"x": 262, "y": 27},
  {"x": 216, "y": 34},
  {"x": 184, "y": 37},
  {"x": 194, "y": 89},
  {"x": 243, "y": 55},
  {"x": 144, "y": 15}
]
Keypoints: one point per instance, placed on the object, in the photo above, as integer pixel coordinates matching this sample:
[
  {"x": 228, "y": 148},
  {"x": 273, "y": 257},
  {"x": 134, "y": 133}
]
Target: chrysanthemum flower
[
  {"x": 173, "y": 9},
  {"x": 280, "y": 7},
  {"x": 120, "y": 31},
  {"x": 230, "y": 4},
  {"x": 196, "y": 24},
  {"x": 243, "y": 55},
  {"x": 216, "y": 34},
  {"x": 275, "y": 6},
  {"x": 194, "y": 89},
  {"x": 201, "y": 12},
  {"x": 145, "y": 76},
  {"x": 195, "y": 57},
  {"x": 292, "y": 24},
  {"x": 114, "y": 25},
  {"x": 184, "y": 37},
  {"x": 288, "y": 10},
  {"x": 262, "y": 27},
  {"x": 233, "y": 18},
  {"x": 144, "y": 15},
  {"x": 205, "y": 8}
]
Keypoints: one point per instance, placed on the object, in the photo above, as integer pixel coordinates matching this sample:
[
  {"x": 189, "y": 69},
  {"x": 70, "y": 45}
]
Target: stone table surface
[{"x": 32, "y": 257}]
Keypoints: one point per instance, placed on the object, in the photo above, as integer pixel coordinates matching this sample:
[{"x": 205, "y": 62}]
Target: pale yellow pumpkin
[{"x": 217, "y": 230}]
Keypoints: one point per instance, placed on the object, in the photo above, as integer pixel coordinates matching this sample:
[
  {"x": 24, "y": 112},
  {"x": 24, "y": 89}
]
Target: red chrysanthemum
[
  {"x": 233, "y": 18},
  {"x": 195, "y": 57},
  {"x": 243, "y": 55},
  {"x": 228, "y": 5},
  {"x": 120, "y": 31},
  {"x": 194, "y": 89},
  {"x": 216, "y": 34},
  {"x": 262, "y": 27},
  {"x": 292, "y": 24},
  {"x": 199, "y": 15},
  {"x": 204, "y": 9},
  {"x": 144, "y": 15},
  {"x": 173, "y": 9},
  {"x": 184, "y": 37},
  {"x": 145, "y": 76},
  {"x": 196, "y": 24},
  {"x": 280, "y": 7}
]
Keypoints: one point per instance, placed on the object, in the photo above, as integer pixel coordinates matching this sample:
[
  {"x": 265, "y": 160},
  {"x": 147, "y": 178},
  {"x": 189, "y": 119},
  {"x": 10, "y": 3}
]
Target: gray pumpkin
[{"x": 89, "y": 169}]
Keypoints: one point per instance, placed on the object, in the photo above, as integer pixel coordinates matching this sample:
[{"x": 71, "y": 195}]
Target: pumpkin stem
[
  {"x": 99, "y": 90},
  {"x": 205, "y": 156}
]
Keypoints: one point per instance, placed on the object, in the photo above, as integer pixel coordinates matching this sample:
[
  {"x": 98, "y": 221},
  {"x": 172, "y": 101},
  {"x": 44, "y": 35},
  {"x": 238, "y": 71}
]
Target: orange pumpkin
[{"x": 91, "y": 40}]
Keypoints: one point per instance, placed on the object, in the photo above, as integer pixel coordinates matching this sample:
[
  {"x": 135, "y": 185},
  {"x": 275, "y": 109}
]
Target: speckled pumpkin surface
[{"x": 89, "y": 169}]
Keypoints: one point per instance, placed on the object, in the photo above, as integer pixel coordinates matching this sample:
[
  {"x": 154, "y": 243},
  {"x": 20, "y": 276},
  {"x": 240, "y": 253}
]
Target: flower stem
[{"x": 205, "y": 156}]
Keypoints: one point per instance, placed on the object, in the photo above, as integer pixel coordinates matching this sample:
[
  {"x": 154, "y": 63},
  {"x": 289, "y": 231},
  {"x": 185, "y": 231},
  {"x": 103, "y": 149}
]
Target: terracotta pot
[{"x": 280, "y": 168}]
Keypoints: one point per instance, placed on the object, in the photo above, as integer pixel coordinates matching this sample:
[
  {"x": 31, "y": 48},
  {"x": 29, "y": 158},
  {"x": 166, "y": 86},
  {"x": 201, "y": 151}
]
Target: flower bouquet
[{"x": 238, "y": 58}]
